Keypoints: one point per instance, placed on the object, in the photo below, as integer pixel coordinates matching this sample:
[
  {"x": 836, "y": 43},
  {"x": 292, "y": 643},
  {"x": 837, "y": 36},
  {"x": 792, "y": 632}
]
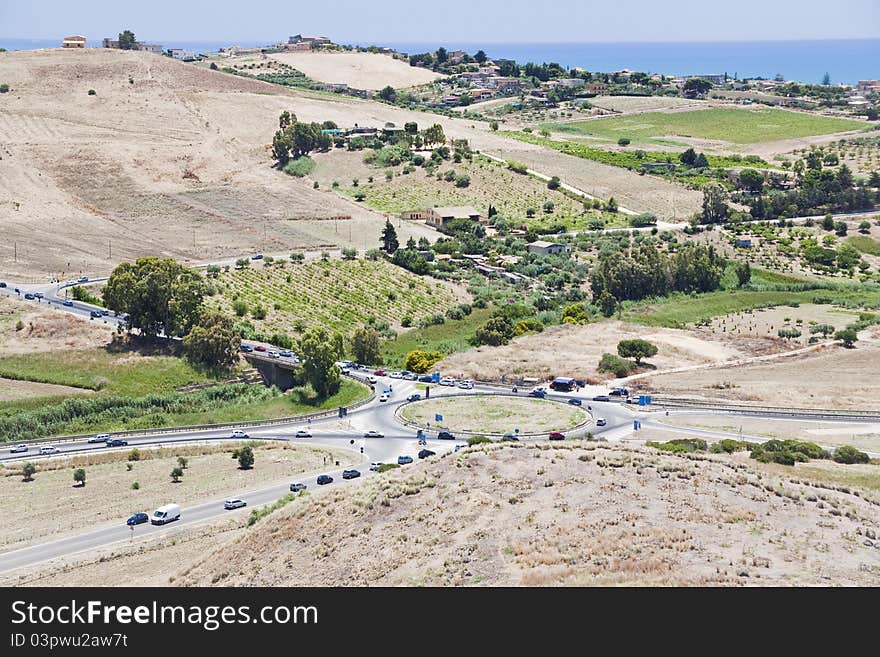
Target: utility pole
[
  {"x": 15, "y": 251},
  {"x": 110, "y": 249}
]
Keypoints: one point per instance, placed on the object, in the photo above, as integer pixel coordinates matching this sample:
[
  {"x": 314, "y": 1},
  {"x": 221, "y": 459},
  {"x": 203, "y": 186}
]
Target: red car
[
  {"x": 259, "y": 347},
  {"x": 555, "y": 435},
  {"x": 379, "y": 372}
]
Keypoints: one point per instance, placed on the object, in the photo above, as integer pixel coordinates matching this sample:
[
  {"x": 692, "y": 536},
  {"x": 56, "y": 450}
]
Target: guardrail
[
  {"x": 205, "y": 427},
  {"x": 743, "y": 409},
  {"x": 413, "y": 425}
]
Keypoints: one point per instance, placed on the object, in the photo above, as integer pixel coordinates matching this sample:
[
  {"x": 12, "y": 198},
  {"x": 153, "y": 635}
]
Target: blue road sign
[
  {"x": 636, "y": 425},
  {"x": 438, "y": 417},
  {"x": 516, "y": 431}
]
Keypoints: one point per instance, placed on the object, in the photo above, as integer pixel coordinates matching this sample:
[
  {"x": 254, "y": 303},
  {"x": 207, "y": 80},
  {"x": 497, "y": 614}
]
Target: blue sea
[{"x": 846, "y": 61}]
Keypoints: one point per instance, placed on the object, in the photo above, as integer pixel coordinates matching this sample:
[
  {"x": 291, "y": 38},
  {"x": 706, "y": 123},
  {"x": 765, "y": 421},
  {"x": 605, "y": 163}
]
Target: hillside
[
  {"x": 173, "y": 159},
  {"x": 360, "y": 70},
  {"x": 568, "y": 514}
]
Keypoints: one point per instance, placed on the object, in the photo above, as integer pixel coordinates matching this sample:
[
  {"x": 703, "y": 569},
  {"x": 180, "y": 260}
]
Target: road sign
[
  {"x": 438, "y": 417},
  {"x": 516, "y": 431},
  {"x": 636, "y": 425}
]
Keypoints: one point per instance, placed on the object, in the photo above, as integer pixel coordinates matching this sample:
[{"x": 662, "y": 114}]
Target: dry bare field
[
  {"x": 173, "y": 159},
  {"x": 567, "y": 514},
  {"x": 45, "y": 329},
  {"x": 571, "y": 350},
  {"x": 360, "y": 70},
  {"x": 635, "y": 104},
  {"x": 831, "y": 377},
  {"x": 210, "y": 473}
]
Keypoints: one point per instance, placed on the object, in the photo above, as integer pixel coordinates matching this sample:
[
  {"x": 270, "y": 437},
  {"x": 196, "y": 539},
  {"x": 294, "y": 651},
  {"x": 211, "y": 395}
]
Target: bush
[
  {"x": 478, "y": 440},
  {"x": 849, "y": 454},
  {"x": 79, "y": 476},
  {"x": 176, "y": 474},
  {"x": 680, "y": 445},
  {"x": 4, "y": 88},
  {"x": 420, "y": 362},
  {"x": 623, "y": 141},
  {"x": 134, "y": 455},
  {"x": 300, "y": 167},
  {"x": 728, "y": 446},
  {"x": 787, "y": 452},
  {"x": 246, "y": 457},
  {"x": 553, "y": 183},
  {"x": 385, "y": 467},
  {"x": 517, "y": 167},
  {"x": 92, "y": 92},
  {"x": 462, "y": 180},
  {"x": 615, "y": 365},
  {"x": 136, "y": 486},
  {"x": 28, "y": 470}
]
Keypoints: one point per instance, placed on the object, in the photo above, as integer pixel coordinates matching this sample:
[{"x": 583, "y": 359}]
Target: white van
[
  {"x": 48, "y": 449},
  {"x": 165, "y": 514}
]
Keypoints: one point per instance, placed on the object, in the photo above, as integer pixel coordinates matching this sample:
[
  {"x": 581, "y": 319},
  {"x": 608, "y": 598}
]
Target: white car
[
  {"x": 371, "y": 379},
  {"x": 100, "y": 438},
  {"x": 601, "y": 422},
  {"x": 303, "y": 433},
  {"x": 466, "y": 385},
  {"x": 373, "y": 434},
  {"x": 234, "y": 503},
  {"x": 19, "y": 449},
  {"x": 447, "y": 381},
  {"x": 273, "y": 354},
  {"x": 383, "y": 397},
  {"x": 238, "y": 433},
  {"x": 396, "y": 375},
  {"x": 48, "y": 449}
]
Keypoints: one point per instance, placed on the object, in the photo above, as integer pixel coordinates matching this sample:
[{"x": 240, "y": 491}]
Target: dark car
[
  {"x": 29, "y": 296},
  {"x": 116, "y": 442},
  {"x": 540, "y": 394},
  {"x": 39, "y": 295},
  {"x": 325, "y": 479},
  {"x": 555, "y": 435},
  {"x": 247, "y": 348},
  {"x": 575, "y": 402},
  {"x": 425, "y": 453},
  {"x": 403, "y": 460},
  {"x": 2, "y": 284},
  {"x": 509, "y": 437},
  {"x": 426, "y": 378},
  {"x": 295, "y": 488},
  {"x": 95, "y": 314},
  {"x": 67, "y": 303},
  {"x": 350, "y": 474},
  {"x": 138, "y": 519},
  {"x": 257, "y": 256},
  {"x": 445, "y": 435},
  {"x": 602, "y": 398},
  {"x": 414, "y": 397}
]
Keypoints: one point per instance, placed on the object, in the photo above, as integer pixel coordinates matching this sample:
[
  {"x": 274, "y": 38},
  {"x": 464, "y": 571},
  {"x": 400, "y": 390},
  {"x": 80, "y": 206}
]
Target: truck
[{"x": 165, "y": 514}]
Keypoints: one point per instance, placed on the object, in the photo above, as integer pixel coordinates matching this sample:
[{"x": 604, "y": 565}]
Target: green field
[
  {"x": 451, "y": 336},
  {"x": 864, "y": 244},
  {"x": 739, "y": 126},
  {"x": 338, "y": 294},
  {"x": 679, "y": 311},
  {"x": 135, "y": 391}
]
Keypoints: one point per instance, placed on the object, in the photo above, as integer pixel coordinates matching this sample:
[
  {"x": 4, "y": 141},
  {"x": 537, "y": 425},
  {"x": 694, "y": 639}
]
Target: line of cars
[{"x": 271, "y": 353}]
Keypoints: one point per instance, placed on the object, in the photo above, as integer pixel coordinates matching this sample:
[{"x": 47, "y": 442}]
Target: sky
[{"x": 459, "y": 21}]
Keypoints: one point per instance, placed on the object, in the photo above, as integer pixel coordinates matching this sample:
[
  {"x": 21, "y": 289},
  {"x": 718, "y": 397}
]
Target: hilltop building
[
  {"x": 138, "y": 45},
  {"x": 74, "y": 42}
]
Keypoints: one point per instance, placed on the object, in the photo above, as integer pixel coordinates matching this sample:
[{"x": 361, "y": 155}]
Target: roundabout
[{"x": 494, "y": 415}]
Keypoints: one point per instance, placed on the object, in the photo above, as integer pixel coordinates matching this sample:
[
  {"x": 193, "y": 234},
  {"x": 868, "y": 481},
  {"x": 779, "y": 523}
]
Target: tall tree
[
  {"x": 389, "y": 238},
  {"x": 636, "y": 349},
  {"x": 127, "y": 40},
  {"x": 319, "y": 355},
  {"x": 213, "y": 341},
  {"x": 480, "y": 57},
  {"x": 826, "y": 79},
  {"x": 714, "y": 203},
  {"x": 159, "y": 295},
  {"x": 365, "y": 346}
]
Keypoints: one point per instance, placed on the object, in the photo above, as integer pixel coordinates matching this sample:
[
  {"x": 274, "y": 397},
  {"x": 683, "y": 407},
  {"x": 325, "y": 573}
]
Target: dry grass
[
  {"x": 211, "y": 472},
  {"x": 830, "y": 378},
  {"x": 360, "y": 70},
  {"x": 567, "y": 514},
  {"x": 495, "y": 415},
  {"x": 570, "y": 350},
  {"x": 45, "y": 329}
]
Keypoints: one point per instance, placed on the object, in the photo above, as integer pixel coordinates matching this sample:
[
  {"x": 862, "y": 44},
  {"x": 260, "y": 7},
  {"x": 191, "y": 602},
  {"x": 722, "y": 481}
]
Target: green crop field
[
  {"x": 449, "y": 337},
  {"x": 864, "y": 244},
  {"x": 739, "y": 126},
  {"x": 338, "y": 294}
]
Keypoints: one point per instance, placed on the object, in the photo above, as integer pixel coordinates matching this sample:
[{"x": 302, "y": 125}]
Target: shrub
[
  {"x": 92, "y": 92},
  {"x": 623, "y": 141},
  {"x": 680, "y": 445},
  {"x": 79, "y": 476},
  {"x": 615, "y": 364},
  {"x": 788, "y": 333},
  {"x": 300, "y": 167},
  {"x": 135, "y": 486},
  {"x": 28, "y": 470},
  {"x": 517, "y": 167},
  {"x": 478, "y": 440},
  {"x": 239, "y": 308},
  {"x": 4, "y": 88},
  {"x": 849, "y": 454},
  {"x": 847, "y": 336},
  {"x": 134, "y": 455},
  {"x": 385, "y": 467},
  {"x": 246, "y": 457},
  {"x": 553, "y": 183},
  {"x": 176, "y": 474},
  {"x": 462, "y": 180},
  {"x": 729, "y": 446}
]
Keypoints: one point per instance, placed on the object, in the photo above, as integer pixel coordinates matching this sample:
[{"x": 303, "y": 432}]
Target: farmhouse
[
  {"x": 439, "y": 217},
  {"x": 74, "y": 42},
  {"x": 138, "y": 45},
  {"x": 308, "y": 40},
  {"x": 541, "y": 247},
  {"x": 182, "y": 55},
  {"x": 867, "y": 86}
]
